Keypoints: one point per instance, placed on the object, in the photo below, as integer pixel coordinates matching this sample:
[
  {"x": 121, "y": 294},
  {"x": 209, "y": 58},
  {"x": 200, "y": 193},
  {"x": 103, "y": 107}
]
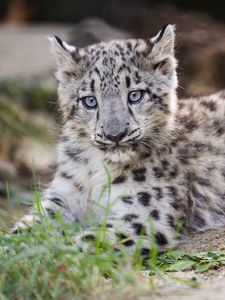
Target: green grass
[
  {"x": 42, "y": 264},
  {"x": 18, "y": 103},
  {"x": 14, "y": 121},
  {"x": 33, "y": 95}
]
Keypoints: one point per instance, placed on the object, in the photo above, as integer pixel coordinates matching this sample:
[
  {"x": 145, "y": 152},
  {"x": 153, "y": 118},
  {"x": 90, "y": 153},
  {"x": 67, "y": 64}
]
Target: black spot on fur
[
  {"x": 88, "y": 237},
  {"x": 139, "y": 174},
  {"x": 65, "y": 175},
  {"x": 157, "y": 172},
  {"x": 73, "y": 153},
  {"x": 93, "y": 85},
  {"x": 160, "y": 238},
  {"x": 57, "y": 201},
  {"x": 157, "y": 192},
  {"x": 139, "y": 228},
  {"x": 127, "y": 167},
  {"x": 219, "y": 127},
  {"x": 175, "y": 205},
  {"x": 145, "y": 154},
  {"x": 51, "y": 213},
  {"x": 121, "y": 235},
  {"x": 137, "y": 77},
  {"x": 211, "y": 105},
  {"x": 165, "y": 164},
  {"x": 199, "y": 221},
  {"x": 127, "y": 199},
  {"x": 172, "y": 190},
  {"x": 82, "y": 134},
  {"x": 129, "y": 46},
  {"x": 109, "y": 225},
  {"x": 144, "y": 198},
  {"x": 119, "y": 179},
  {"x": 79, "y": 186},
  {"x": 129, "y": 217},
  {"x": 170, "y": 219},
  {"x": 145, "y": 252},
  {"x": 173, "y": 171},
  {"x": 97, "y": 115},
  {"x": 72, "y": 112},
  {"x": 64, "y": 138},
  {"x": 191, "y": 125},
  {"x": 155, "y": 214},
  {"x": 131, "y": 112},
  {"x": 127, "y": 81},
  {"x": 129, "y": 242},
  {"x": 203, "y": 181},
  {"x": 126, "y": 241},
  {"x": 20, "y": 230},
  {"x": 154, "y": 97},
  {"x": 121, "y": 68},
  {"x": 97, "y": 72}
]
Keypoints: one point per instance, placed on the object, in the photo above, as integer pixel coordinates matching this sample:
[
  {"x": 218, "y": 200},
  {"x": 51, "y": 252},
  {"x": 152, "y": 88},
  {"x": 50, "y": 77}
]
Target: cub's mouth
[
  {"x": 127, "y": 141},
  {"x": 117, "y": 147},
  {"x": 125, "y": 151}
]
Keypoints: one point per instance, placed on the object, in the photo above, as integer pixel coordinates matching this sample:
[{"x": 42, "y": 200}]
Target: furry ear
[
  {"x": 62, "y": 51},
  {"x": 68, "y": 59},
  {"x": 162, "y": 50},
  {"x": 163, "y": 42},
  {"x": 65, "y": 54}
]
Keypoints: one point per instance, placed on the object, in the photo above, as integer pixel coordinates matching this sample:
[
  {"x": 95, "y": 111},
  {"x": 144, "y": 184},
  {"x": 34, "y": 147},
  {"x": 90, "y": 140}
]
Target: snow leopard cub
[{"x": 166, "y": 157}]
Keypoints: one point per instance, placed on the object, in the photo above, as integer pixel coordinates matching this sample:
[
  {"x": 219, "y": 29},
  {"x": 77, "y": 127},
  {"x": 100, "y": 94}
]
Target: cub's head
[{"x": 120, "y": 95}]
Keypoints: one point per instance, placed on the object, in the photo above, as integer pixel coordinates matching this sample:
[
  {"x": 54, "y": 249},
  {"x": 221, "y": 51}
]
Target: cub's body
[{"x": 121, "y": 120}]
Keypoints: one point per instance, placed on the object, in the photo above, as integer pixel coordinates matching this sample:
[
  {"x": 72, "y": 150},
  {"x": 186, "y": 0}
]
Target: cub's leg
[
  {"x": 132, "y": 234},
  {"x": 64, "y": 195}
]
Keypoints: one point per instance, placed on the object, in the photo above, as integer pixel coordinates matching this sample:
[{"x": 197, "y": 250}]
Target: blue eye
[
  {"x": 89, "y": 102},
  {"x": 135, "y": 96}
]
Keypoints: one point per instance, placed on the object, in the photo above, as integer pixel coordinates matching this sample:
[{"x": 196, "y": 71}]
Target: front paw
[{"x": 25, "y": 223}]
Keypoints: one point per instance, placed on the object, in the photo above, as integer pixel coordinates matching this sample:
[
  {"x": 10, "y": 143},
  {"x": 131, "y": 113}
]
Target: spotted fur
[{"x": 166, "y": 157}]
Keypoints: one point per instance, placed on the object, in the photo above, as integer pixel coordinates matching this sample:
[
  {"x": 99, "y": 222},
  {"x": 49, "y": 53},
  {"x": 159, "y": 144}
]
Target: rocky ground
[{"x": 24, "y": 57}]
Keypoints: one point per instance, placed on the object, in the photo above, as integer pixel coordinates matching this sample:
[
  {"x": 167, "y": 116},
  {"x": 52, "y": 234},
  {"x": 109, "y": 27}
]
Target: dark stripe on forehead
[
  {"x": 129, "y": 46},
  {"x": 123, "y": 67},
  {"x": 97, "y": 72},
  {"x": 93, "y": 85},
  {"x": 137, "y": 76},
  {"x": 120, "y": 49},
  {"x": 127, "y": 81}
]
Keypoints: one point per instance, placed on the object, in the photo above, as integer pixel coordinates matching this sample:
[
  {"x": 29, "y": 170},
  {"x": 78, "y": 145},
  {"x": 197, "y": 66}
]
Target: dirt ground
[
  {"x": 185, "y": 285},
  {"x": 210, "y": 285}
]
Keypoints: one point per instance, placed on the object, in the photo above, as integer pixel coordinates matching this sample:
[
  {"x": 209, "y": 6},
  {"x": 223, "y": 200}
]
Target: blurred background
[{"x": 28, "y": 103}]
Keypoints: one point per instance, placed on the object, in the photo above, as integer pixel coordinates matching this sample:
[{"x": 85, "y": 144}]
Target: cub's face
[{"x": 120, "y": 95}]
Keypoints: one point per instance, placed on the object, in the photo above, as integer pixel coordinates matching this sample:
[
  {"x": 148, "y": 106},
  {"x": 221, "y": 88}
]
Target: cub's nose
[{"x": 117, "y": 137}]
